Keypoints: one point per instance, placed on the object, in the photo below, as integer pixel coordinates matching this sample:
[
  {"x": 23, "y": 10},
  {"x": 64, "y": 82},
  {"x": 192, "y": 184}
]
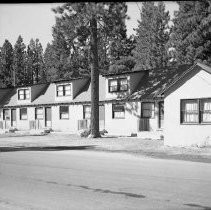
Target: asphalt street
[{"x": 89, "y": 180}]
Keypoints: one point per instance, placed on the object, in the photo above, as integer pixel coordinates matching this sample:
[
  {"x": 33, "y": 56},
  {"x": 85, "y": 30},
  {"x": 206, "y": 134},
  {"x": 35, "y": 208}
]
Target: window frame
[
  {"x": 63, "y": 90},
  {"x": 113, "y": 111},
  {"x": 84, "y": 106},
  {"x": 152, "y": 111},
  {"x": 199, "y": 112},
  {"x": 60, "y": 113},
  {"x": 24, "y": 94},
  {"x": 36, "y": 108},
  {"x": 21, "y": 113},
  {"x": 118, "y": 86},
  {"x": 9, "y": 114}
]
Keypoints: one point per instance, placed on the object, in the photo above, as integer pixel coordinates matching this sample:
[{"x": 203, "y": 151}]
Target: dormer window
[
  {"x": 118, "y": 85},
  {"x": 63, "y": 90},
  {"x": 23, "y": 94}
]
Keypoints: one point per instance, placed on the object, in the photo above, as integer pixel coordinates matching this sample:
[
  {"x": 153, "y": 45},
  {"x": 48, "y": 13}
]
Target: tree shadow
[{"x": 46, "y": 148}]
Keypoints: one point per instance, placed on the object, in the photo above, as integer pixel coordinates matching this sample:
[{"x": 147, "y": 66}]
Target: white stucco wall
[
  {"x": 124, "y": 126},
  {"x": 129, "y": 124},
  {"x": 24, "y": 124},
  {"x": 176, "y": 134},
  {"x": 71, "y": 124}
]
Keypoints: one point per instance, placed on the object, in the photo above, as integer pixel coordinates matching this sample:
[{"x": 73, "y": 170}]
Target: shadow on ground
[{"x": 45, "y": 148}]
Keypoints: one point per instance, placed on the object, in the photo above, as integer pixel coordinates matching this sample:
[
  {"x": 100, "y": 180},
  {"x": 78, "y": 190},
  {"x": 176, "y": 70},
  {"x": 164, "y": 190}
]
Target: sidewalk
[{"x": 132, "y": 145}]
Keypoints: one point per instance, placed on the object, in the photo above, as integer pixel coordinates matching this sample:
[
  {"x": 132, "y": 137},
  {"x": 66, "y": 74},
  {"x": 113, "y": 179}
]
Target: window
[
  {"x": 195, "y": 111},
  {"x": 86, "y": 111},
  {"x": 118, "y": 85},
  {"x": 23, "y": 94},
  {"x": 6, "y": 114},
  {"x": 205, "y": 110},
  {"x": 63, "y": 90},
  {"x": 23, "y": 113},
  {"x": 118, "y": 111},
  {"x": 64, "y": 112},
  {"x": 147, "y": 110},
  {"x": 39, "y": 113},
  {"x": 123, "y": 84}
]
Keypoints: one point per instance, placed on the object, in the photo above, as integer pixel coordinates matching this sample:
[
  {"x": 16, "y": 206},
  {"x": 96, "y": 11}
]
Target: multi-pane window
[
  {"x": 64, "y": 112},
  {"x": 205, "y": 109},
  {"x": 194, "y": 111},
  {"x": 118, "y": 85},
  {"x": 39, "y": 113},
  {"x": 23, "y": 94},
  {"x": 23, "y": 113},
  {"x": 63, "y": 90},
  {"x": 118, "y": 111},
  {"x": 87, "y": 112},
  {"x": 6, "y": 114},
  {"x": 147, "y": 110}
]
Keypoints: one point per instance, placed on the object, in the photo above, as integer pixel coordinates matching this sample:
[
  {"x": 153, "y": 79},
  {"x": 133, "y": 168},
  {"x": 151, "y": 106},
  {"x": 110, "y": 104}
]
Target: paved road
[{"x": 86, "y": 180}]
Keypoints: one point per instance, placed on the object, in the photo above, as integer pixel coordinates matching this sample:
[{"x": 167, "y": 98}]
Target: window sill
[{"x": 203, "y": 123}]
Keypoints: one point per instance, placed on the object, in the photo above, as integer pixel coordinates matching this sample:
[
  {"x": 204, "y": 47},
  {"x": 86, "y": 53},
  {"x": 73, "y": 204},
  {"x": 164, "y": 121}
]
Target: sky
[{"x": 36, "y": 20}]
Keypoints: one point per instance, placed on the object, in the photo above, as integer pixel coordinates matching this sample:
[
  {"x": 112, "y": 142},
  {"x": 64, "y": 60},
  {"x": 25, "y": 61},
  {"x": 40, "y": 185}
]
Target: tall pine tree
[
  {"x": 50, "y": 63},
  {"x": 191, "y": 32},
  {"x": 71, "y": 54},
  {"x": 6, "y": 72},
  {"x": 35, "y": 62},
  {"x": 152, "y": 36},
  {"x": 82, "y": 26},
  {"x": 19, "y": 62}
]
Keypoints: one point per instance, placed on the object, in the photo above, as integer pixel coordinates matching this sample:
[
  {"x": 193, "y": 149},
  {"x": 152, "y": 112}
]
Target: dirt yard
[{"x": 133, "y": 145}]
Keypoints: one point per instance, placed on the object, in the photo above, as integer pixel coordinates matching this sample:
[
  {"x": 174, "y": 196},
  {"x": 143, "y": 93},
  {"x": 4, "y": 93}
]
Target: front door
[
  {"x": 13, "y": 117},
  {"x": 161, "y": 114},
  {"x": 6, "y": 118},
  {"x": 48, "y": 117}
]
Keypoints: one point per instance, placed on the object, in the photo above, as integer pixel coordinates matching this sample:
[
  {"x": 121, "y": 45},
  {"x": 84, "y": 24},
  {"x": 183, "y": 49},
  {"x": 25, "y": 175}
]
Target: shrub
[
  {"x": 103, "y": 132},
  {"x": 85, "y": 133},
  {"x": 12, "y": 130}
]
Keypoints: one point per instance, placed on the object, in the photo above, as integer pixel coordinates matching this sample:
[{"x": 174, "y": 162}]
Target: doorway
[{"x": 48, "y": 117}]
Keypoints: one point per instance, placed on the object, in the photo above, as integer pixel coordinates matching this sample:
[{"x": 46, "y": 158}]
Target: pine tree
[
  {"x": 50, "y": 63},
  {"x": 35, "y": 63},
  {"x": 152, "y": 36},
  {"x": 71, "y": 54},
  {"x": 82, "y": 27},
  {"x": 190, "y": 34},
  {"x": 19, "y": 61},
  {"x": 7, "y": 73}
]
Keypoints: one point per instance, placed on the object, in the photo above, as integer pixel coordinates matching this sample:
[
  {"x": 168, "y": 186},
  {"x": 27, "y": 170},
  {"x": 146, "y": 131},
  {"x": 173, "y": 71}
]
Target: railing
[
  {"x": 143, "y": 124},
  {"x": 83, "y": 124},
  {"x": 86, "y": 124},
  {"x": 35, "y": 124}
]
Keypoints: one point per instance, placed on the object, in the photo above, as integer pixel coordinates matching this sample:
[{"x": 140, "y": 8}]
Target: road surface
[{"x": 89, "y": 180}]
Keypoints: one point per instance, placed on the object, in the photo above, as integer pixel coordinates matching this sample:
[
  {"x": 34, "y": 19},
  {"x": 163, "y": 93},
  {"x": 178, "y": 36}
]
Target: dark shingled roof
[{"x": 156, "y": 81}]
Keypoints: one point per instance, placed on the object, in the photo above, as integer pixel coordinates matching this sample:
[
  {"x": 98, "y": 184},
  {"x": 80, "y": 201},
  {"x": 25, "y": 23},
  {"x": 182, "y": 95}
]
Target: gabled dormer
[
  {"x": 28, "y": 94},
  {"x": 24, "y": 95},
  {"x": 68, "y": 90},
  {"x": 122, "y": 84},
  {"x": 63, "y": 91}
]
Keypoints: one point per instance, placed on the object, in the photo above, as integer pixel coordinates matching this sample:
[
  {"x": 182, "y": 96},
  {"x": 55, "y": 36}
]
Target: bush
[
  {"x": 103, "y": 132},
  {"x": 85, "y": 133},
  {"x": 12, "y": 130}
]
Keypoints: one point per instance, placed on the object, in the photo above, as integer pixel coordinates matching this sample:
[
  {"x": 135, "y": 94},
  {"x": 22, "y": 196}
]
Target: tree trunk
[{"x": 94, "y": 80}]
